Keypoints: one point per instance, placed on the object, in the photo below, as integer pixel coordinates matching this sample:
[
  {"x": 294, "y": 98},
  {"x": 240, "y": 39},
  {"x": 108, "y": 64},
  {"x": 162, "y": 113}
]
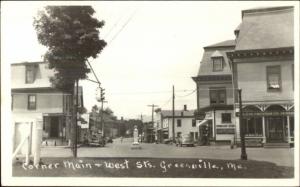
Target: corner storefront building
[{"x": 263, "y": 68}]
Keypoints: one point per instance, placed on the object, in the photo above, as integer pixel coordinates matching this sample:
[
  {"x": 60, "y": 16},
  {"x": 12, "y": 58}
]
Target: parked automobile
[
  {"x": 96, "y": 139},
  {"x": 109, "y": 140},
  {"x": 186, "y": 140}
]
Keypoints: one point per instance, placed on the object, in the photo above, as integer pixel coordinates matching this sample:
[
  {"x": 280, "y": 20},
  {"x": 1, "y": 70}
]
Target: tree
[
  {"x": 71, "y": 36},
  {"x": 95, "y": 108}
]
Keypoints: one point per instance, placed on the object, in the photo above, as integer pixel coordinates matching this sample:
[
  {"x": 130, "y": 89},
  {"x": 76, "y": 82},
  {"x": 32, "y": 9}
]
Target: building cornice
[
  {"x": 213, "y": 78},
  {"x": 36, "y": 89},
  {"x": 270, "y": 52}
]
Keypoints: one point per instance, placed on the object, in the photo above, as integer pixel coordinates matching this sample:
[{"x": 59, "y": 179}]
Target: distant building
[
  {"x": 215, "y": 94},
  {"x": 33, "y": 97},
  {"x": 263, "y": 67},
  {"x": 184, "y": 124}
]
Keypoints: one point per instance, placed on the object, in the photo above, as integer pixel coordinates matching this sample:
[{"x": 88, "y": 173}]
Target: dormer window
[
  {"x": 217, "y": 63},
  {"x": 217, "y": 60}
]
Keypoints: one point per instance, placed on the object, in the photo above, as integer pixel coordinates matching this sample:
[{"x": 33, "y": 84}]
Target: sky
[{"x": 151, "y": 47}]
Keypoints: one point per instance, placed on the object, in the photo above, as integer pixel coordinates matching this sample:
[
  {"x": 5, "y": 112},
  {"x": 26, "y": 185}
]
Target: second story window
[
  {"x": 273, "y": 78},
  {"x": 217, "y": 95},
  {"x": 29, "y": 74},
  {"x": 179, "y": 123},
  {"x": 217, "y": 63},
  {"x": 31, "y": 102}
]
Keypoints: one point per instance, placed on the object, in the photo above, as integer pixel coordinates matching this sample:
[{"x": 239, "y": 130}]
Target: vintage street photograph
[{"x": 196, "y": 93}]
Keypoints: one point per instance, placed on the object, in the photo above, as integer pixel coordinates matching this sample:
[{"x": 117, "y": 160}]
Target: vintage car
[{"x": 185, "y": 140}]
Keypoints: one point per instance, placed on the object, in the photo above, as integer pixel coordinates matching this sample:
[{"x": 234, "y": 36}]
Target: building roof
[
  {"x": 225, "y": 43},
  {"x": 25, "y": 63},
  {"x": 181, "y": 113},
  {"x": 206, "y": 65},
  {"x": 264, "y": 28}
]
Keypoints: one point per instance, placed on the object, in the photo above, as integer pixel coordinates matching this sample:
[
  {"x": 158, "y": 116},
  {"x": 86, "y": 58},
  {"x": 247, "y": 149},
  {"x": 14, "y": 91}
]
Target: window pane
[
  {"x": 273, "y": 77},
  {"x": 30, "y": 74},
  {"x": 178, "y": 123},
  {"x": 31, "y": 102},
  {"x": 226, "y": 118},
  {"x": 258, "y": 126},
  {"x": 213, "y": 96},
  {"x": 292, "y": 126},
  {"x": 274, "y": 81},
  {"x": 32, "y": 98},
  {"x": 217, "y": 64},
  {"x": 222, "y": 96}
]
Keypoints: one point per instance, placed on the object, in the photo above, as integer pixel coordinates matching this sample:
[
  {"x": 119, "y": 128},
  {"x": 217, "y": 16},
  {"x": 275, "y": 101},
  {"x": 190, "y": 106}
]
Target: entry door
[
  {"x": 275, "y": 129},
  {"x": 54, "y": 127}
]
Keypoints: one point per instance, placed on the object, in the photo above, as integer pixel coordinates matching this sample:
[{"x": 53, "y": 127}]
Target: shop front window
[
  {"x": 292, "y": 126},
  {"x": 179, "y": 123},
  {"x": 253, "y": 126}
]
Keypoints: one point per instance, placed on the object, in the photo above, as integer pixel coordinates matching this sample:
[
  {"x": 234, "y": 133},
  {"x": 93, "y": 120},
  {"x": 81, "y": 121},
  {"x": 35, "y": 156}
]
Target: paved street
[{"x": 279, "y": 156}]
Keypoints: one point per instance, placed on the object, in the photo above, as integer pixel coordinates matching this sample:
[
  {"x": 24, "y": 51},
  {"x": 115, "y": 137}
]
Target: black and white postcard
[{"x": 150, "y": 93}]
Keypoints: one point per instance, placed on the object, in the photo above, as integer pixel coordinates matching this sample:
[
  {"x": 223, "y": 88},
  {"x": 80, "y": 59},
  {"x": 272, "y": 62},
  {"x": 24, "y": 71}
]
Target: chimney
[{"x": 184, "y": 108}]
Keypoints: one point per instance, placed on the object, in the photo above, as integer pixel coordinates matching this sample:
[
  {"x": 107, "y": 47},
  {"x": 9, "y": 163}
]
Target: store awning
[{"x": 203, "y": 122}]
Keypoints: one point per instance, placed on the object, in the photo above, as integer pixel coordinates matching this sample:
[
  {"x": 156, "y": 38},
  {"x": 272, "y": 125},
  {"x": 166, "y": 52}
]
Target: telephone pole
[
  {"x": 76, "y": 120},
  {"x": 152, "y": 117},
  {"x": 173, "y": 115},
  {"x": 102, "y": 101}
]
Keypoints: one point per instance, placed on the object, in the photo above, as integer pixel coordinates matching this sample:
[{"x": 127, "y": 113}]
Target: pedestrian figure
[{"x": 121, "y": 139}]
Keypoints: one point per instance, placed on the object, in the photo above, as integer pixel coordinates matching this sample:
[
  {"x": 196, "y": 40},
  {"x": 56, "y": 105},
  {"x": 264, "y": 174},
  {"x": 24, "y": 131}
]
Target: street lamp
[{"x": 242, "y": 133}]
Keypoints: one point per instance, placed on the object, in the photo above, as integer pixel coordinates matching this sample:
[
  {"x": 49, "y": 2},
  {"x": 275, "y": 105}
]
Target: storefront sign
[
  {"x": 275, "y": 113},
  {"x": 225, "y": 131},
  {"x": 165, "y": 123}
]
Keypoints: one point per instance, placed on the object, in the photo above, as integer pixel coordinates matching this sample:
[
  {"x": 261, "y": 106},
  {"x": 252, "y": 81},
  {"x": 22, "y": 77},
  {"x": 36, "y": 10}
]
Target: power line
[
  {"x": 166, "y": 102},
  {"x": 187, "y": 94},
  {"x": 110, "y": 30},
  {"x": 129, "y": 19}
]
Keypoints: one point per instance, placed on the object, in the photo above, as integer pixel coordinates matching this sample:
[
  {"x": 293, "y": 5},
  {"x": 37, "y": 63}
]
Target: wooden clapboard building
[
  {"x": 215, "y": 94},
  {"x": 263, "y": 67}
]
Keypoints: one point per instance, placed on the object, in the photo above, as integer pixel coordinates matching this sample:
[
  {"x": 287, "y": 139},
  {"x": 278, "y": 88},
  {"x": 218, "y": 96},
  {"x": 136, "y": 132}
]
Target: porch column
[
  {"x": 288, "y": 128},
  {"x": 264, "y": 129}
]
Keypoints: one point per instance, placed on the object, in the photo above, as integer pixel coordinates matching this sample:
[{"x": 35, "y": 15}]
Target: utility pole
[
  {"x": 102, "y": 101},
  {"x": 76, "y": 121},
  {"x": 242, "y": 134},
  {"x": 143, "y": 129},
  {"x": 173, "y": 115},
  {"x": 152, "y": 117}
]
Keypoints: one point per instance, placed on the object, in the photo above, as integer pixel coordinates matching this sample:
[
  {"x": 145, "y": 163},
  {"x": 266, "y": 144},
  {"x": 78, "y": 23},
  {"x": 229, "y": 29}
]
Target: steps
[{"x": 277, "y": 145}]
